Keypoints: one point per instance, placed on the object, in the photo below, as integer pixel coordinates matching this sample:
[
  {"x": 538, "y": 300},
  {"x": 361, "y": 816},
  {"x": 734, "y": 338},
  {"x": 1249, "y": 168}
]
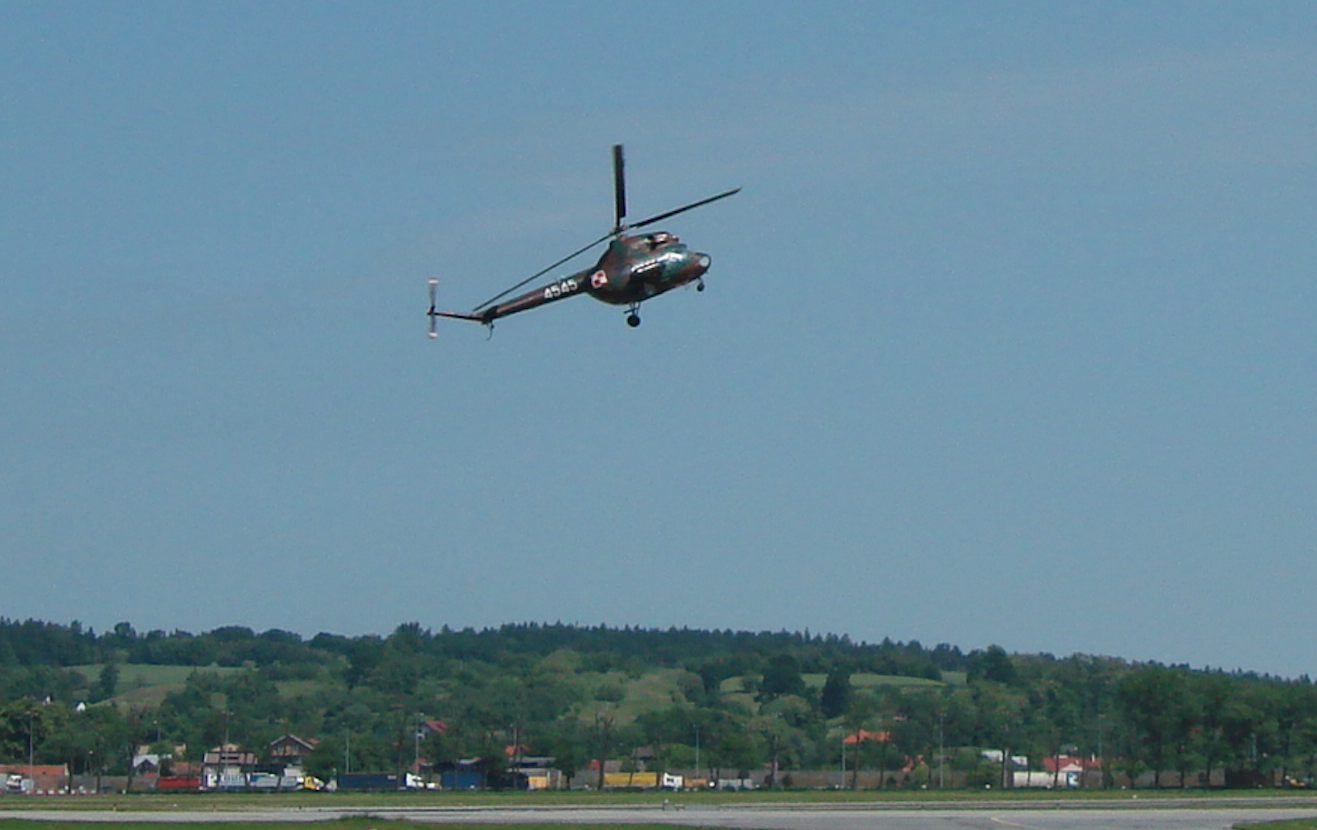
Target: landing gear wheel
[
  {"x": 699, "y": 286},
  {"x": 633, "y": 319}
]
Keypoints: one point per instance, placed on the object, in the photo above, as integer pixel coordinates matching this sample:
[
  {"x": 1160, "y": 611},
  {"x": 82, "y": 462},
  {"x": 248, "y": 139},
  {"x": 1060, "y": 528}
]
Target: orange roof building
[{"x": 861, "y": 735}]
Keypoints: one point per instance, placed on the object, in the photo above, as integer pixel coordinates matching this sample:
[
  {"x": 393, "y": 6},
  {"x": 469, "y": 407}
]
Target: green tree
[
  {"x": 107, "y": 686},
  {"x": 994, "y": 665},
  {"x": 781, "y": 677},
  {"x": 1000, "y": 723},
  {"x": 602, "y": 739},
  {"x": 567, "y": 741},
  {"x": 860, "y": 717},
  {"x": 836, "y": 694},
  {"x": 1154, "y": 700}
]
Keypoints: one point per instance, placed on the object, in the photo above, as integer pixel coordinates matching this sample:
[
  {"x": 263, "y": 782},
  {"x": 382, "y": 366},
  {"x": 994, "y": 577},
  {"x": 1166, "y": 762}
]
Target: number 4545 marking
[{"x": 558, "y": 289}]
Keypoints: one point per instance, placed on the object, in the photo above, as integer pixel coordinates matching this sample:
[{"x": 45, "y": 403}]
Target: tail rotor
[{"x": 434, "y": 288}]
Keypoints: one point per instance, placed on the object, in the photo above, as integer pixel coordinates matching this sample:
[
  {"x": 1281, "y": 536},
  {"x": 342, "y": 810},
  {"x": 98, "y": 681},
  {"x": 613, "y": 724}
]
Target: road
[{"x": 1215, "y": 815}]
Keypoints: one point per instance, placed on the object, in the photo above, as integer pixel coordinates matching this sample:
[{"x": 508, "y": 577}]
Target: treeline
[
  {"x": 736, "y": 702},
  {"x": 36, "y": 643}
]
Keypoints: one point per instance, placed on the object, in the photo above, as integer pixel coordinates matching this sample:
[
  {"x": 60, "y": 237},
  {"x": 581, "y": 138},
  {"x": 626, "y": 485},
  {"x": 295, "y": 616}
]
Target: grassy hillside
[
  {"x": 863, "y": 680},
  {"x": 626, "y": 694},
  {"x": 146, "y": 685}
]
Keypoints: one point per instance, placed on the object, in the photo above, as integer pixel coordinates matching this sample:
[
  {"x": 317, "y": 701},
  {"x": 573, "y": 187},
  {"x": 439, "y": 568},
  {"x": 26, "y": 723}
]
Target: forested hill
[
  {"x": 34, "y": 643},
  {"x": 736, "y": 700}
]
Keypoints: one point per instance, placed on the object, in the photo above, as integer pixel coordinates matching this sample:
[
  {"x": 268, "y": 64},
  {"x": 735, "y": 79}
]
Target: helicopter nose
[{"x": 692, "y": 268}]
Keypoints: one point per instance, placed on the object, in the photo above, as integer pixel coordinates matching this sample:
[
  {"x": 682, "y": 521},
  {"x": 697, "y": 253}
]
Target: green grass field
[
  {"x": 147, "y": 685},
  {"x": 359, "y": 823},
  {"x": 872, "y": 681}
]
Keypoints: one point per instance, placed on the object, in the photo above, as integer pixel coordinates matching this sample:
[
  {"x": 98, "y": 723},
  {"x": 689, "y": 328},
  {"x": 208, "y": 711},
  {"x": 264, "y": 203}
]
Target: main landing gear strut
[{"x": 633, "y": 310}]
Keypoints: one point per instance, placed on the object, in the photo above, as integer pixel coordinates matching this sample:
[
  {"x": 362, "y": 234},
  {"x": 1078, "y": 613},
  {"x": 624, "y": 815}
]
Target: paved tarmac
[
  {"x": 884, "y": 817},
  {"x": 1106, "y": 816}
]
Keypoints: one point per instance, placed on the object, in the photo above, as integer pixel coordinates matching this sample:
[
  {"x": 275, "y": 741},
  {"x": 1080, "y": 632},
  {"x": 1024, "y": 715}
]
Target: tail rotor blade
[{"x": 434, "y": 287}]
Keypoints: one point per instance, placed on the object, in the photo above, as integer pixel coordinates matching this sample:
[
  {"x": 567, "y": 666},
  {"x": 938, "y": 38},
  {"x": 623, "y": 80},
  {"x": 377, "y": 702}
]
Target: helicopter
[{"x": 632, "y": 269}]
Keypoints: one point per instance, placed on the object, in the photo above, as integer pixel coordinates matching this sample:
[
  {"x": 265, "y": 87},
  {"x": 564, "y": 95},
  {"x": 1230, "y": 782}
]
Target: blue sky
[{"x": 1008, "y": 338}]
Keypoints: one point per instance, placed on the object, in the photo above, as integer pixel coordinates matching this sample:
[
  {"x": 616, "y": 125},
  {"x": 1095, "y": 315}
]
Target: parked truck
[
  {"x": 369, "y": 781},
  {"x": 179, "y": 782}
]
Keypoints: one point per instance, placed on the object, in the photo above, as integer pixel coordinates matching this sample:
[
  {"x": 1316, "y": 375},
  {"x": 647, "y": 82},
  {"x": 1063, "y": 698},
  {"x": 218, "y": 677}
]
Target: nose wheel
[{"x": 633, "y": 319}]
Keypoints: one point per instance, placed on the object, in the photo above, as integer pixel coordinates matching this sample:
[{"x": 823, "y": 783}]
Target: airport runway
[
  {"x": 882, "y": 817},
  {"x": 1120, "y": 816}
]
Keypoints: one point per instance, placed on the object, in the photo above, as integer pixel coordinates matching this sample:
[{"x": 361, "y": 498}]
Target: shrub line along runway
[{"x": 1177, "y": 814}]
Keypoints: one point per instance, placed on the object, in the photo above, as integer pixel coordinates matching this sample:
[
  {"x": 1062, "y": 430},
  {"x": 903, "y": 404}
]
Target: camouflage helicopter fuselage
[{"x": 631, "y": 270}]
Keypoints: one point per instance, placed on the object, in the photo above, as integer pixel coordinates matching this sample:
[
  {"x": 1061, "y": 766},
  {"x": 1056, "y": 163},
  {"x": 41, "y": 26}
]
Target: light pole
[
  {"x": 416, "y": 745},
  {"x": 941, "y": 754},
  {"x": 1102, "y": 768},
  {"x": 697, "y": 751},
  {"x": 842, "y": 786},
  {"x": 31, "y": 754}
]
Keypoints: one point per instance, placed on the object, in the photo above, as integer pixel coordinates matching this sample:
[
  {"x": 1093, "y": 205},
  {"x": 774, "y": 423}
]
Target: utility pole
[
  {"x": 416, "y": 745},
  {"x": 697, "y": 751},
  {"x": 31, "y": 753},
  {"x": 941, "y": 755},
  {"x": 843, "y": 762}
]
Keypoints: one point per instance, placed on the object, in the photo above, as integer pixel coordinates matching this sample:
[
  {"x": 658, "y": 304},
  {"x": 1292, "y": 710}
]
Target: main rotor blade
[
  {"x": 651, "y": 220},
  {"x": 619, "y": 187},
  {"x": 542, "y": 272}
]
